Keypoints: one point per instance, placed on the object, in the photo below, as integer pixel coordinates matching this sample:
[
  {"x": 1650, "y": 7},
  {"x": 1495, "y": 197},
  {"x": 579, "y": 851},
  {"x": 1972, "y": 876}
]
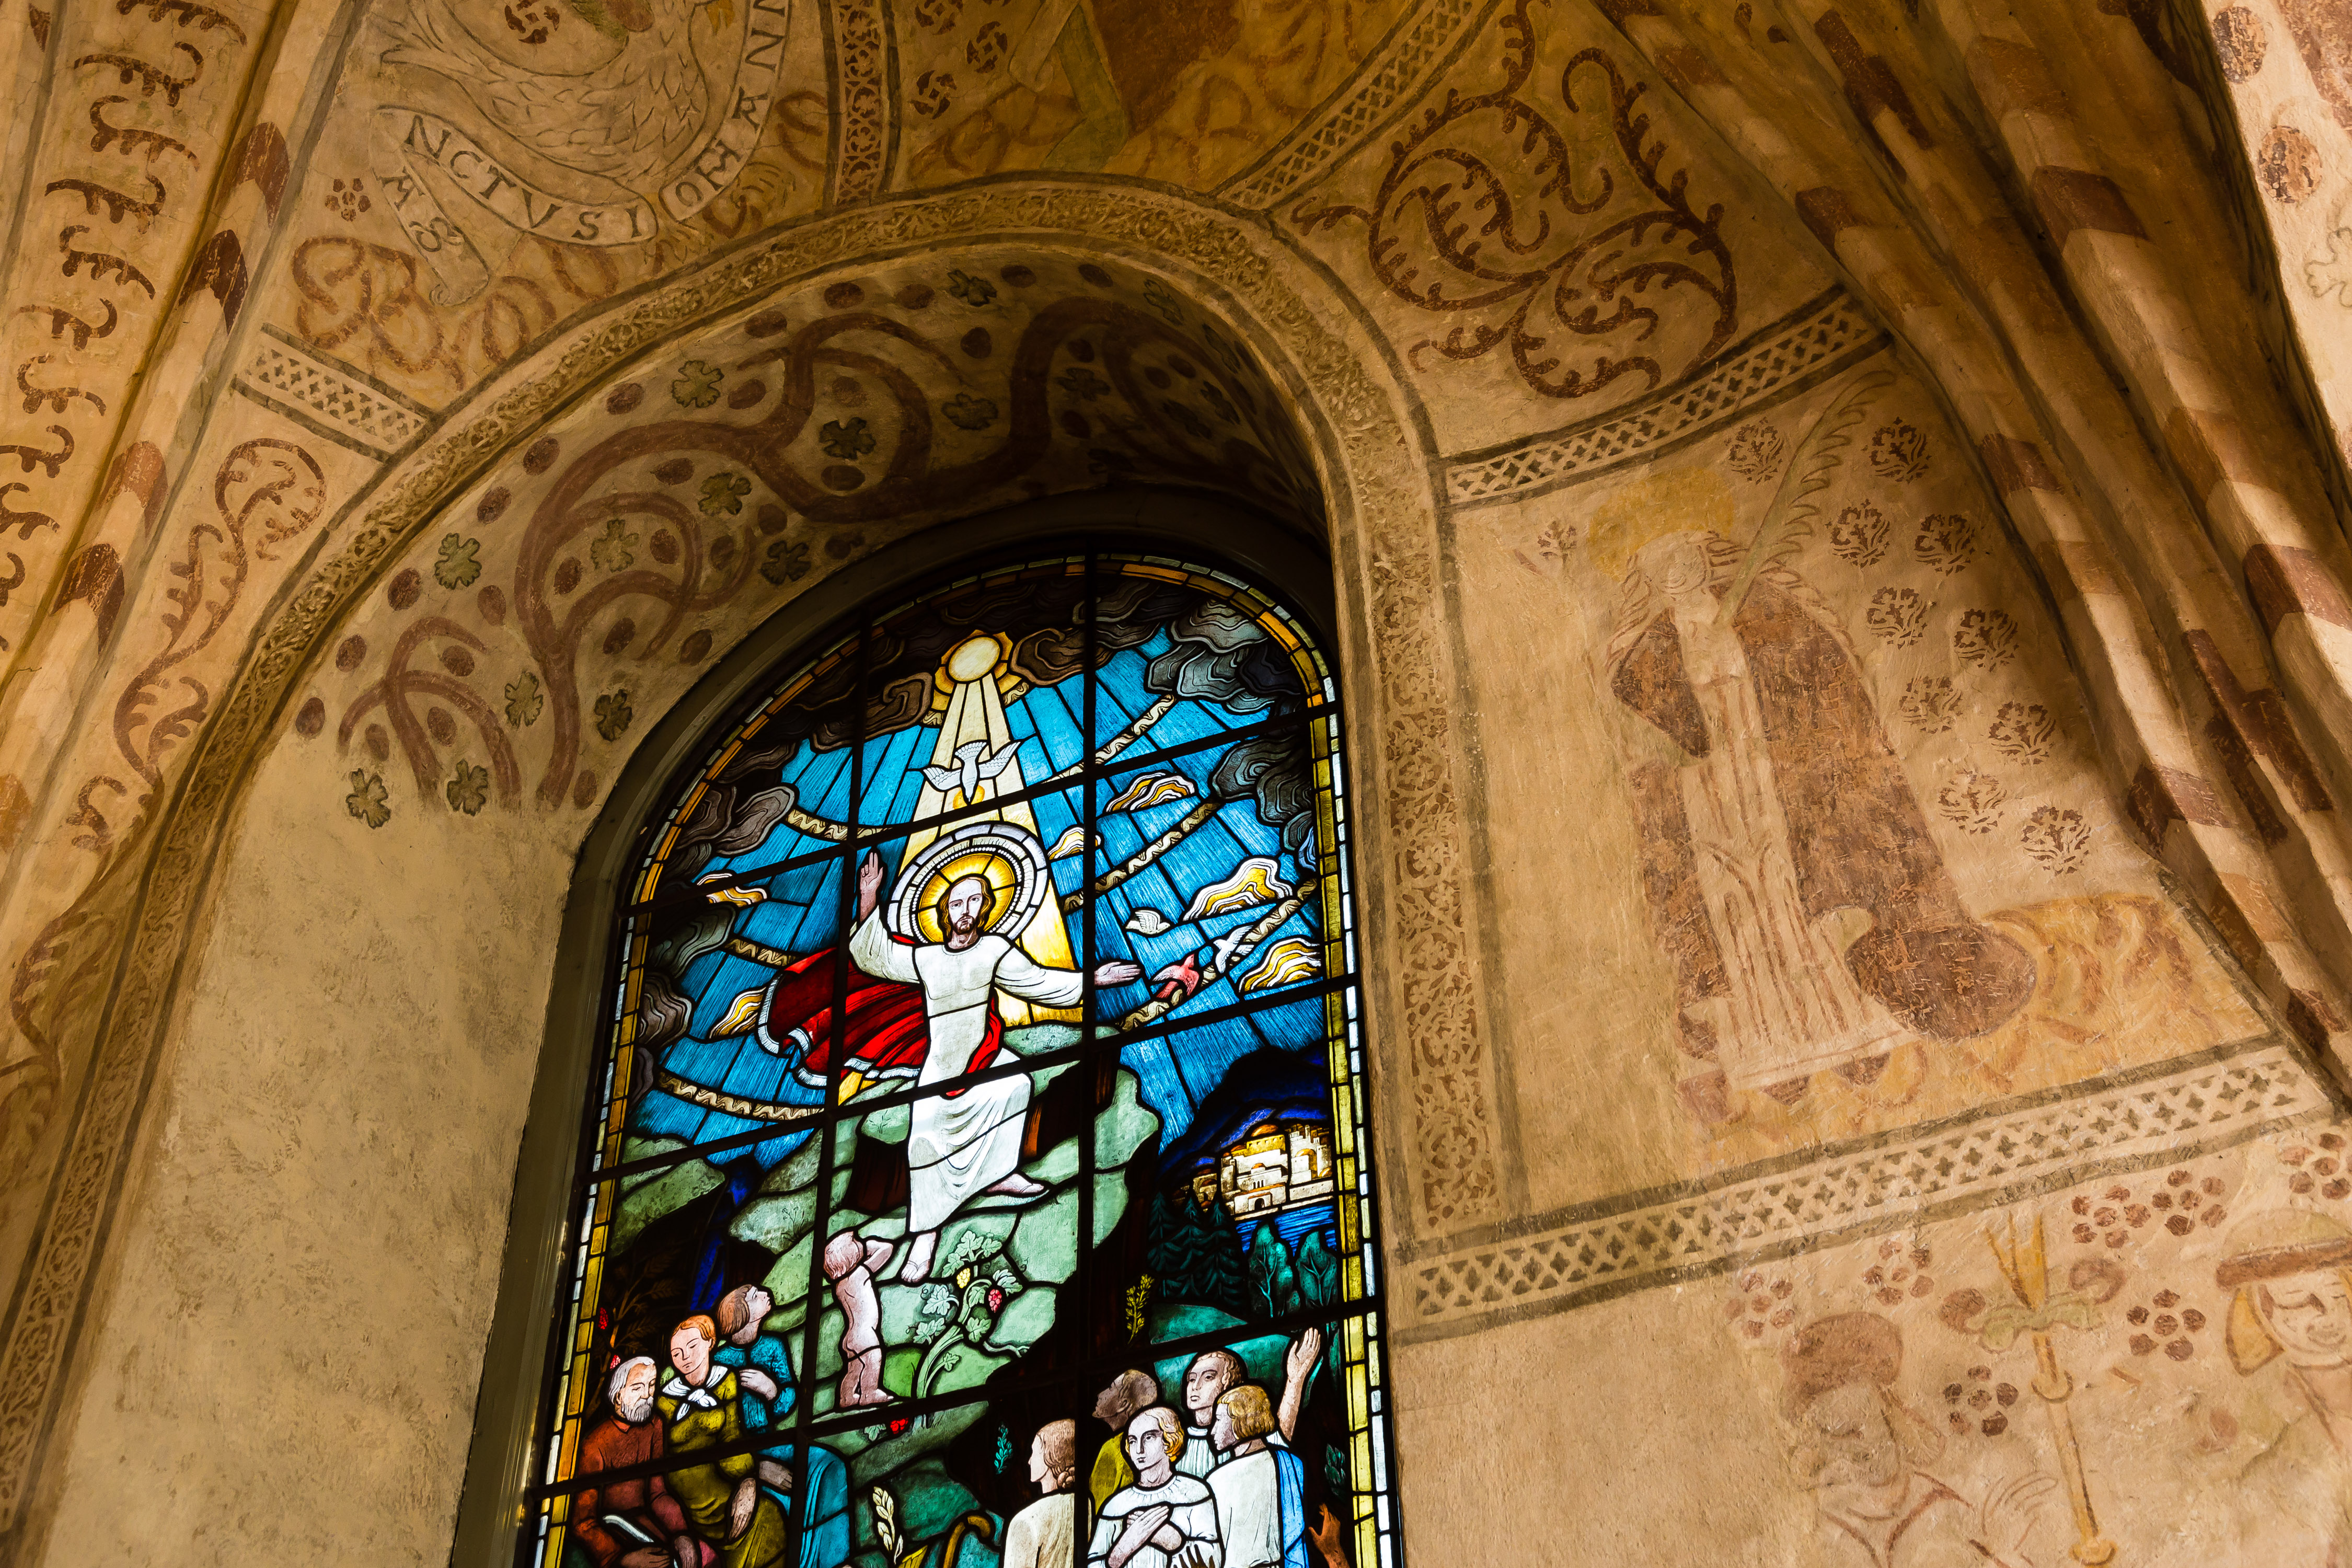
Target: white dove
[{"x": 974, "y": 765}]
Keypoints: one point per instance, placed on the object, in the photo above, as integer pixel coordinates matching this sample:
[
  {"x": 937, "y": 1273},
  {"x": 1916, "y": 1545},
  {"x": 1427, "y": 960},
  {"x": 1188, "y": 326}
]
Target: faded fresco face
[
  {"x": 1852, "y": 1440},
  {"x": 2310, "y": 1316}
]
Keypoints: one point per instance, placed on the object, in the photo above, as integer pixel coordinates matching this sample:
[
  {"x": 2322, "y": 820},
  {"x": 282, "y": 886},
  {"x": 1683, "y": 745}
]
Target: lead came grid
[{"x": 611, "y": 1168}]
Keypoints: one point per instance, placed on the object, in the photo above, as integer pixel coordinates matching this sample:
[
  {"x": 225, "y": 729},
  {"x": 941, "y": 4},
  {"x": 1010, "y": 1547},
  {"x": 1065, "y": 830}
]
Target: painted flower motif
[
  {"x": 1929, "y": 703},
  {"x": 1759, "y": 1304},
  {"x": 937, "y": 15},
  {"x": 966, "y": 412},
  {"x": 1157, "y": 295},
  {"x": 1898, "y": 451},
  {"x": 614, "y": 713},
  {"x": 2161, "y": 1319},
  {"x": 1900, "y": 1273},
  {"x": 613, "y": 549},
  {"x": 1194, "y": 425},
  {"x": 1755, "y": 450},
  {"x": 1859, "y": 535},
  {"x": 1898, "y": 616},
  {"x": 2058, "y": 839},
  {"x": 456, "y": 567},
  {"x": 524, "y": 699},
  {"x": 697, "y": 385},
  {"x": 347, "y": 201},
  {"x": 973, "y": 291},
  {"x": 469, "y": 787},
  {"x": 723, "y": 493},
  {"x": 1218, "y": 401},
  {"x": 1971, "y": 801},
  {"x": 368, "y": 801},
  {"x": 2021, "y": 732},
  {"x": 988, "y": 47},
  {"x": 534, "y": 21},
  {"x": 2325, "y": 1169},
  {"x": 1947, "y": 541},
  {"x": 787, "y": 560},
  {"x": 845, "y": 440},
  {"x": 1976, "y": 1400},
  {"x": 1080, "y": 381},
  {"x": 1986, "y": 638}
]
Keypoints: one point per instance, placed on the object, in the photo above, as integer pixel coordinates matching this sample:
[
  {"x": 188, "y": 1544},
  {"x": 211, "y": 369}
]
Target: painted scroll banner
[{"x": 408, "y": 141}]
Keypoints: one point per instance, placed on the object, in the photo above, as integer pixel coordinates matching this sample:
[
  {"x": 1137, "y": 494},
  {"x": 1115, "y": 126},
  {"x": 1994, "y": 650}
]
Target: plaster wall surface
[{"x": 1833, "y": 520}]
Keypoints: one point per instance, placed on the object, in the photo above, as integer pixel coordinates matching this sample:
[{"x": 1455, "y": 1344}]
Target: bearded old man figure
[{"x": 634, "y": 1523}]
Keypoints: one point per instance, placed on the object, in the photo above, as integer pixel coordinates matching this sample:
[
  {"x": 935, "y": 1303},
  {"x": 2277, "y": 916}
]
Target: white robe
[
  {"x": 1039, "y": 1535},
  {"x": 958, "y": 1147},
  {"x": 1200, "y": 1458},
  {"x": 1790, "y": 1005},
  {"x": 1193, "y": 1512},
  {"x": 1248, "y": 1491}
]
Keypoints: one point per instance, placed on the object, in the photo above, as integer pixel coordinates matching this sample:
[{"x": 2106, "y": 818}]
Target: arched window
[{"x": 977, "y": 1164}]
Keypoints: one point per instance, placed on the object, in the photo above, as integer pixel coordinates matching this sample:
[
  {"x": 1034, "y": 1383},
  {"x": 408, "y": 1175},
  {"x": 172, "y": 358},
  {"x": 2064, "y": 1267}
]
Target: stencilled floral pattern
[
  {"x": 1985, "y": 638},
  {"x": 1897, "y": 616},
  {"x": 1898, "y": 451},
  {"x": 1929, "y": 704},
  {"x": 1757, "y": 451},
  {"x": 1859, "y": 535},
  {"x": 2057, "y": 839},
  {"x": 1971, "y": 801},
  {"x": 1946, "y": 541},
  {"x": 2022, "y": 732}
]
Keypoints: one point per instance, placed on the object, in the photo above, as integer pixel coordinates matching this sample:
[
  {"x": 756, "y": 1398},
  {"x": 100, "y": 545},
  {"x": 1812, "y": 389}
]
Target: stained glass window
[{"x": 977, "y": 1170}]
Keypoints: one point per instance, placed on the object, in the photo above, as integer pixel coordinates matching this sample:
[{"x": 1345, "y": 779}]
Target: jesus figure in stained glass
[{"x": 965, "y": 1142}]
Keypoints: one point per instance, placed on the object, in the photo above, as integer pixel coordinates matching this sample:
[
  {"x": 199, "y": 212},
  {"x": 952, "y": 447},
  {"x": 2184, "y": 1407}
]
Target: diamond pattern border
[
  {"x": 2003, "y": 1156},
  {"x": 1832, "y": 327},
  {"x": 355, "y": 409},
  {"x": 1381, "y": 83}
]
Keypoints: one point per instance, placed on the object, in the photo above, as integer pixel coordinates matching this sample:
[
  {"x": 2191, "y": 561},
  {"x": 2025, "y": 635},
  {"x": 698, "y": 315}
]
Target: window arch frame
[{"x": 1213, "y": 531}]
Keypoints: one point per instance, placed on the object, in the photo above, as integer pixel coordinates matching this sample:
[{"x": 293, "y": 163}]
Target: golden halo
[
  {"x": 1677, "y": 500},
  {"x": 1006, "y": 856},
  {"x": 986, "y": 863}
]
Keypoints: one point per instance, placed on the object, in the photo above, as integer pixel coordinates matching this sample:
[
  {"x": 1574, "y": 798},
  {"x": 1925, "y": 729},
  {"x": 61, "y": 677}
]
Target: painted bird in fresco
[
  {"x": 628, "y": 110},
  {"x": 975, "y": 764}
]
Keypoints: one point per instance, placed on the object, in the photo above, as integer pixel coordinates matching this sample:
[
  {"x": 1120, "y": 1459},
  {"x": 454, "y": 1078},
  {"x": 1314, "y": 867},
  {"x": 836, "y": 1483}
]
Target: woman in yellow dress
[{"x": 701, "y": 1408}]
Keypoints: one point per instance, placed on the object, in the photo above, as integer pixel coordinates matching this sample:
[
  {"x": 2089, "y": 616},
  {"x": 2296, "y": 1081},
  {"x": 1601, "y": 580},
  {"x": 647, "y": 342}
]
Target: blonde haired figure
[
  {"x": 2290, "y": 1274},
  {"x": 1260, "y": 1490},
  {"x": 1164, "y": 1520}
]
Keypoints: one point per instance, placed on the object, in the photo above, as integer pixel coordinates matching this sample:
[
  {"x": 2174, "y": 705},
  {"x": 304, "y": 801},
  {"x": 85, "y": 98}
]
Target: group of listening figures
[
  {"x": 1216, "y": 1485},
  {"x": 727, "y": 1375}
]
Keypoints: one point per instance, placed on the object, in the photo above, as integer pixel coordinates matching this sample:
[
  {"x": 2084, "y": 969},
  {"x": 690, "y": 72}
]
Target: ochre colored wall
[{"x": 1834, "y": 518}]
